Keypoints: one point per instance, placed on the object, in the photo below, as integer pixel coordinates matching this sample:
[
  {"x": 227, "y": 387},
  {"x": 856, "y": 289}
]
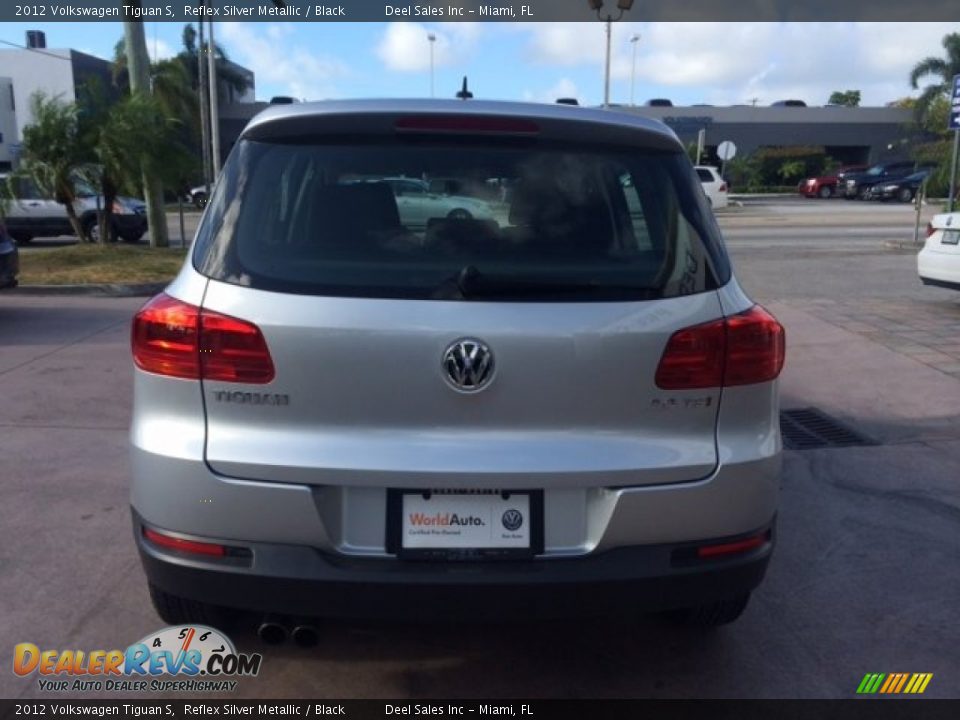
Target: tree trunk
[
  {"x": 105, "y": 220},
  {"x": 139, "y": 65}
]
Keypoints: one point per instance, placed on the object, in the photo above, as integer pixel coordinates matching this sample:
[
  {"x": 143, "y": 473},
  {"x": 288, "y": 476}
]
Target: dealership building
[{"x": 850, "y": 135}]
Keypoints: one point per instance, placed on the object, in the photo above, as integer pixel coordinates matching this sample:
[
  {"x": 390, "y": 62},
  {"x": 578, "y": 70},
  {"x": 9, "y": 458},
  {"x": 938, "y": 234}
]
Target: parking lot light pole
[
  {"x": 433, "y": 39},
  {"x": 609, "y": 19},
  {"x": 213, "y": 79},
  {"x": 633, "y": 67}
]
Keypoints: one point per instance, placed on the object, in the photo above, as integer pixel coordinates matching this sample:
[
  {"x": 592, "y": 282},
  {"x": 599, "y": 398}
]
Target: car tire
[
  {"x": 825, "y": 192},
  {"x": 200, "y": 200},
  {"x": 21, "y": 238},
  {"x": 905, "y": 195},
  {"x": 711, "y": 615},
  {"x": 459, "y": 214},
  {"x": 131, "y": 237},
  {"x": 176, "y": 610}
]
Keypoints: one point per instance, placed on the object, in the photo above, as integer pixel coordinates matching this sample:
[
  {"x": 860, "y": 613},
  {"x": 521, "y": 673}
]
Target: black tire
[
  {"x": 21, "y": 238},
  {"x": 176, "y": 610},
  {"x": 459, "y": 214},
  {"x": 862, "y": 194},
  {"x": 133, "y": 237},
  {"x": 825, "y": 192},
  {"x": 711, "y": 615},
  {"x": 200, "y": 200},
  {"x": 905, "y": 195}
]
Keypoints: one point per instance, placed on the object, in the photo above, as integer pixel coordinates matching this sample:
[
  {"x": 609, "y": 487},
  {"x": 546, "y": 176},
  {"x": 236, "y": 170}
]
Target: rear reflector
[
  {"x": 740, "y": 350},
  {"x": 188, "y": 546},
  {"x": 732, "y": 548},
  {"x": 176, "y": 339},
  {"x": 467, "y": 125},
  {"x": 930, "y": 229}
]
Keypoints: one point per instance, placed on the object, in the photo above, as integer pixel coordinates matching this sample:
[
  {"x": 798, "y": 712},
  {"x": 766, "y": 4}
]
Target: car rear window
[
  {"x": 450, "y": 220},
  {"x": 705, "y": 175}
]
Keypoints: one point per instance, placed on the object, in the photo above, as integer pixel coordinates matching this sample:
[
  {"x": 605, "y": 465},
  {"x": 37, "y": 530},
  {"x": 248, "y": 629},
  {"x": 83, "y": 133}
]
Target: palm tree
[
  {"x": 54, "y": 153},
  {"x": 942, "y": 70}
]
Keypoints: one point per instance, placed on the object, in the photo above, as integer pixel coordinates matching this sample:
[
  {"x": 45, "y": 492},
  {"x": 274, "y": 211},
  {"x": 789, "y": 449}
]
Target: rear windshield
[{"x": 458, "y": 220}]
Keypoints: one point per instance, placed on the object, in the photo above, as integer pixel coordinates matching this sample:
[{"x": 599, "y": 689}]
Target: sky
[{"x": 714, "y": 63}]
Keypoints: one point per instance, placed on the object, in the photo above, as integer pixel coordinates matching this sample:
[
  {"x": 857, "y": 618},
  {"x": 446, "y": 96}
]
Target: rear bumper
[
  {"x": 302, "y": 581},
  {"x": 939, "y": 269}
]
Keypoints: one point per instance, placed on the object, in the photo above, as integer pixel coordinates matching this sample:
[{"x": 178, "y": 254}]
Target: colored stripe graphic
[{"x": 894, "y": 683}]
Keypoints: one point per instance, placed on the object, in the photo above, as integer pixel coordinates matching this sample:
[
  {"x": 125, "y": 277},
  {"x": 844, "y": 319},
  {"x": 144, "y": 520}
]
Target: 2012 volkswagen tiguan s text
[{"x": 432, "y": 356}]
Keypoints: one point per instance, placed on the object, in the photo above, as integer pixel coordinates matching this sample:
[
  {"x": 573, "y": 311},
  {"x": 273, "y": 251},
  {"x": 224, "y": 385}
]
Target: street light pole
[
  {"x": 213, "y": 79},
  {"x": 433, "y": 39},
  {"x": 609, "y": 19},
  {"x": 633, "y": 67}
]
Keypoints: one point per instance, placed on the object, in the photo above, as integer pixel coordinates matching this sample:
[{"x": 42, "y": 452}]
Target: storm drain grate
[{"x": 809, "y": 428}]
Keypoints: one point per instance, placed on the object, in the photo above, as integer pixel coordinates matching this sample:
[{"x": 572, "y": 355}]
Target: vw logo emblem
[
  {"x": 512, "y": 520},
  {"x": 468, "y": 365}
]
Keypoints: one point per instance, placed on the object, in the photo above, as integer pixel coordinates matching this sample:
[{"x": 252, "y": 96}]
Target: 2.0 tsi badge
[{"x": 468, "y": 365}]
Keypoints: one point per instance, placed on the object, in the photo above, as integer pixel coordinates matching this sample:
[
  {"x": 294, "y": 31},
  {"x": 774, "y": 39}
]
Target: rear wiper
[{"x": 470, "y": 283}]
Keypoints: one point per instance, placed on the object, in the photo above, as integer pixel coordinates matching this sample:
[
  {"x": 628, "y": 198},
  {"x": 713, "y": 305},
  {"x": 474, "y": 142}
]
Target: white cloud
[
  {"x": 405, "y": 46},
  {"x": 277, "y": 59},
  {"x": 735, "y": 62},
  {"x": 159, "y": 49},
  {"x": 563, "y": 88}
]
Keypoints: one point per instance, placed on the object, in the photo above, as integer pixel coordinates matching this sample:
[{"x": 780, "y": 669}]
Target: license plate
[
  {"x": 466, "y": 524},
  {"x": 950, "y": 237}
]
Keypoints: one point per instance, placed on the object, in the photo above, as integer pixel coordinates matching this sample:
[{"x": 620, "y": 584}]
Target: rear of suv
[{"x": 564, "y": 402}]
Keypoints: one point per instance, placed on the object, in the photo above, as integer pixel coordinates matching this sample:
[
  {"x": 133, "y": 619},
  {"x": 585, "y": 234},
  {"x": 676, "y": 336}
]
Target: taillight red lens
[
  {"x": 233, "y": 350},
  {"x": 177, "y": 339},
  {"x": 756, "y": 348},
  {"x": 723, "y": 187},
  {"x": 693, "y": 358},
  {"x": 930, "y": 229},
  {"x": 165, "y": 338},
  {"x": 740, "y": 350}
]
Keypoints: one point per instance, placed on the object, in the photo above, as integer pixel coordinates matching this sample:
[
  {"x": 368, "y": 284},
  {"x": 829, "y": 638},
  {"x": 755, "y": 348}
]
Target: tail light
[
  {"x": 740, "y": 350},
  {"x": 930, "y": 229},
  {"x": 723, "y": 187},
  {"x": 176, "y": 339}
]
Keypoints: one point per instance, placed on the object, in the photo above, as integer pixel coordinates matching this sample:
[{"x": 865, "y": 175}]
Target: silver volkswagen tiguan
[{"x": 527, "y": 381}]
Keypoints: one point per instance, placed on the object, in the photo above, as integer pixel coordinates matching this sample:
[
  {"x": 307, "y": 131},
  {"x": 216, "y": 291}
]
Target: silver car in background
[{"x": 566, "y": 404}]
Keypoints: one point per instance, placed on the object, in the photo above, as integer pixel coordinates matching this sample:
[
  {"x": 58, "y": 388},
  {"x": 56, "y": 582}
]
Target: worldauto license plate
[
  {"x": 435, "y": 521},
  {"x": 950, "y": 237}
]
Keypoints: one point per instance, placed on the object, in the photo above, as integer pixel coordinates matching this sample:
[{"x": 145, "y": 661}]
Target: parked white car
[
  {"x": 939, "y": 261},
  {"x": 713, "y": 185},
  {"x": 417, "y": 204}
]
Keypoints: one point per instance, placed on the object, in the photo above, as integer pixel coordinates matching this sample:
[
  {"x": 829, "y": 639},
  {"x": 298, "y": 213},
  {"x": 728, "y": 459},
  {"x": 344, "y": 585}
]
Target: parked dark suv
[{"x": 855, "y": 185}]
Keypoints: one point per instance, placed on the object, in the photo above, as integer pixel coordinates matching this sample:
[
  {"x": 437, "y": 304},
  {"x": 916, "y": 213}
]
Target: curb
[
  {"x": 101, "y": 290},
  {"x": 905, "y": 247}
]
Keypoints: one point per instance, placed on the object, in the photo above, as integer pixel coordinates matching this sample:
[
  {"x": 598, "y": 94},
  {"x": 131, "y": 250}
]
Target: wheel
[
  {"x": 711, "y": 615},
  {"x": 131, "y": 237},
  {"x": 91, "y": 228},
  {"x": 200, "y": 200},
  {"x": 176, "y": 610},
  {"x": 862, "y": 194},
  {"x": 825, "y": 192},
  {"x": 905, "y": 195},
  {"x": 21, "y": 238},
  {"x": 459, "y": 214}
]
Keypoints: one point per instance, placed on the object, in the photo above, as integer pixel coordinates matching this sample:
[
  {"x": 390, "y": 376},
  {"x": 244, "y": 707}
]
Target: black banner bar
[
  {"x": 861, "y": 709},
  {"x": 474, "y": 11}
]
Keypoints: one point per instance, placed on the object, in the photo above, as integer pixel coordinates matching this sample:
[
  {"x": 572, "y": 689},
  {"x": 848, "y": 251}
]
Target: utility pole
[
  {"x": 138, "y": 63},
  {"x": 204, "y": 104},
  {"x": 606, "y": 72},
  {"x": 213, "y": 79},
  {"x": 633, "y": 67}
]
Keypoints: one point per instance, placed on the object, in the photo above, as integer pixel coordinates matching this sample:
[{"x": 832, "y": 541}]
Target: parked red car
[{"x": 826, "y": 185}]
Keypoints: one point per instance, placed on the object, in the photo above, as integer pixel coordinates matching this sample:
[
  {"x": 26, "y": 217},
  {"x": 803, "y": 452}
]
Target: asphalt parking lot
[{"x": 865, "y": 578}]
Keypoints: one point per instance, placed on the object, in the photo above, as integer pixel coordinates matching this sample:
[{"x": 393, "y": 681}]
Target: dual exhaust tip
[{"x": 274, "y": 631}]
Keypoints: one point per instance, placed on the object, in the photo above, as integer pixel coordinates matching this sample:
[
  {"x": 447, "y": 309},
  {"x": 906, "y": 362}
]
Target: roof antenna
[{"x": 464, "y": 94}]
